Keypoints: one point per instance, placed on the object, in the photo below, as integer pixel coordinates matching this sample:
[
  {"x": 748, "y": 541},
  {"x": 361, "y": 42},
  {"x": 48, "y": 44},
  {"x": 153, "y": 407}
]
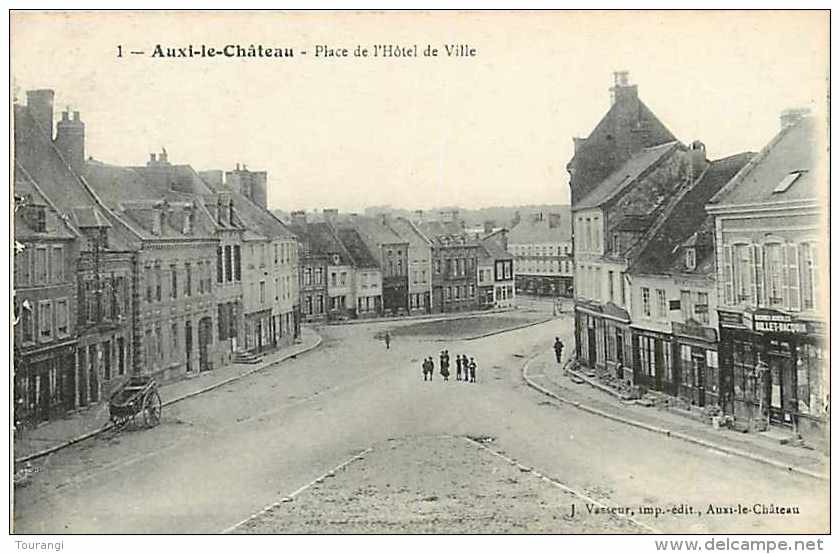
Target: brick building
[{"x": 454, "y": 265}]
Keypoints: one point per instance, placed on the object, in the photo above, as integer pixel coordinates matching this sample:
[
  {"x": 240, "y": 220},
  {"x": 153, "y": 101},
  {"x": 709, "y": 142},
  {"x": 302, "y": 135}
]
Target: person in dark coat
[
  {"x": 465, "y": 362},
  {"x": 458, "y": 367},
  {"x": 387, "y": 340},
  {"x": 425, "y": 369},
  {"x": 558, "y": 349},
  {"x": 431, "y": 368},
  {"x": 472, "y": 370}
]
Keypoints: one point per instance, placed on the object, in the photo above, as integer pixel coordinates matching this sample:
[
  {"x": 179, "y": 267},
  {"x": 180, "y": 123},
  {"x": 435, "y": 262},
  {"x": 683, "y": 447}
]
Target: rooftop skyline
[{"x": 492, "y": 130}]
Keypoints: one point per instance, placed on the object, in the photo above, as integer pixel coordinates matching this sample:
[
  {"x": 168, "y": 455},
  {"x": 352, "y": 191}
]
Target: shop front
[
  {"x": 653, "y": 366},
  {"x": 698, "y": 372},
  {"x": 778, "y": 369}
]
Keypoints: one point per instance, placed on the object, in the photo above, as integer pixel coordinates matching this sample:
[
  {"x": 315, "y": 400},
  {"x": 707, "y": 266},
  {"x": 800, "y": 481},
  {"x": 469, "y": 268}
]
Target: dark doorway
[
  {"x": 93, "y": 374},
  {"x": 592, "y": 347},
  {"x": 698, "y": 363},
  {"x": 205, "y": 335},
  {"x": 188, "y": 343}
]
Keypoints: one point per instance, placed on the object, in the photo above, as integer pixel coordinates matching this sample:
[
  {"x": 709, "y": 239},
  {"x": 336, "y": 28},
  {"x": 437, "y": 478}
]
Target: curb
[
  {"x": 667, "y": 432},
  {"x": 594, "y": 383},
  {"x": 525, "y": 326},
  {"x": 91, "y": 434},
  {"x": 397, "y": 319}
]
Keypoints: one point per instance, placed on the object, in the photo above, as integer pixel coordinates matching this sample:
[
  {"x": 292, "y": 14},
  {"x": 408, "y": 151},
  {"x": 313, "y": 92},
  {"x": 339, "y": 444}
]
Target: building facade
[
  {"x": 769, "y": 225},
  {"x": 542, "y": 246}
]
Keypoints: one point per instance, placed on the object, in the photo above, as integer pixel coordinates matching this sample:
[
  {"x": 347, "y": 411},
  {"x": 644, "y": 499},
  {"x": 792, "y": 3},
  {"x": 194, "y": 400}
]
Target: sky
[{"x": 490, "y": 130}]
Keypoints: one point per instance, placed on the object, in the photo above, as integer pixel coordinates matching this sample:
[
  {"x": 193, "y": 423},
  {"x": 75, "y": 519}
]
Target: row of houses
[
  {"x": 355, "y": 266},
  {"x": 152, "y": 269},
  {"x": 697, "y": 279},
  {"x": 167, "y": 271}
]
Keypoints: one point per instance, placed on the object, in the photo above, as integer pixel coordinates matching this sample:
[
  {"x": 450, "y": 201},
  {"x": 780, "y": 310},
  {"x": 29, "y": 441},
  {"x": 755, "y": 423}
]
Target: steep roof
[
  {"x": 624, "y": 176},
  {"x": 687, "y": 224},
  {"x": 556, "y": 227},
  {"x": 794, "y": 153},
  {"x": 321, "y": 239},
  {"x": 56, "y": 226},
  {"x": 373, "y": 230},
  {"x": 406, "y": 230},
  {"x": 359, "y": 251},
  {"x": 489, "y": 248}
]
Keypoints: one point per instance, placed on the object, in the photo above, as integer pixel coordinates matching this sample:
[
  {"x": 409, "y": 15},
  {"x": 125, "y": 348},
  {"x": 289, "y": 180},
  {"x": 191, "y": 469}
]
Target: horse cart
[{"x": 138, "y": 397}]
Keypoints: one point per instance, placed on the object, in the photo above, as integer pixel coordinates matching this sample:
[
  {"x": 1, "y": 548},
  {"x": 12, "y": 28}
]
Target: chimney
[
  {"x": 152, "y": 159},
  {"x": 330, "y": 214},
  {"x": 40, "y": 105},
  {"x": 697, "y": 152},
  {"x": 70, "y": 140},
  {"x": 791, "y": 116},
  {"x": 298, "y": 217},
  {"x": 622, "y": 88},
  {"x": 488, "y": 227},
  {"x": 164, "y": 158}
]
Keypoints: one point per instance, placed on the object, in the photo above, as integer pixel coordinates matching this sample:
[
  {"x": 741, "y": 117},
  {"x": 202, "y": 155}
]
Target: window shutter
[
  {"x": 753, "y": 268},
  {"x": 758, "y": 252},
  {"x": 727, "y": 275},
  {"x": 792, "y": 262}
]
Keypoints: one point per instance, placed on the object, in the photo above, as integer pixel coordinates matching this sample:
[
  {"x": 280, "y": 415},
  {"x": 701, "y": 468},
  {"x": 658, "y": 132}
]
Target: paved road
[{"x": 218, "y": 458}]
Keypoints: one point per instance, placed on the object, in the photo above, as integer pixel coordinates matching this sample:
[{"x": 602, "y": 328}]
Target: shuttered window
[
  {"x": 792, "y": 265},
  {"x": 727, "y": 276}
]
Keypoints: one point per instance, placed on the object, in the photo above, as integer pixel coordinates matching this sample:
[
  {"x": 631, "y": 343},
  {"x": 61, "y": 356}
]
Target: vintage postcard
[{"x": 422, "y": 272}]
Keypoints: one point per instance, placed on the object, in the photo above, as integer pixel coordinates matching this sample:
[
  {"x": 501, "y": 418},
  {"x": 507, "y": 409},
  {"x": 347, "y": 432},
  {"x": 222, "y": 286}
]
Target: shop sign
[
  {"x": 777, "y": 322},
  {"x": 731, "y": 320}
]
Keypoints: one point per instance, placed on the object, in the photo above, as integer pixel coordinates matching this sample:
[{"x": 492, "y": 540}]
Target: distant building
[
  {"x": 542, "y": 246},
  {"x": 419, "y": 265},
  {"x": 454, "y": 265},
  {"x": 496, "y": 272},
  {"x": 770, "y": 223}
]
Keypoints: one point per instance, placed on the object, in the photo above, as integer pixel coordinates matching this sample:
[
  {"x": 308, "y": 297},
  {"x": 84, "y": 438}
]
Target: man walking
[
  {"x": 558, "y": 349},
  {"x": 472, "y": 370},
  {"x": 387, "y": 340}
]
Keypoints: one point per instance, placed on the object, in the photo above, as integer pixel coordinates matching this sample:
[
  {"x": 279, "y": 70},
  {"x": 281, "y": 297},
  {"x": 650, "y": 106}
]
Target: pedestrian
[
  {"x": 387, "y": 340},
  {"x": 444, "y": 372},
  {"x": 558, "y": 349},
  {"x": 425, "y": 369},
  {"x": 465, "y": 361},
  {"x": 472, "y": 370},
  {"x": 431, "y": 368},
  {"x": 458, "y": 367}
]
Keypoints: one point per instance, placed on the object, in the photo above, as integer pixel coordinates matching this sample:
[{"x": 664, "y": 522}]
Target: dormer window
[
  {"x": 336, "y": 260},
  {"x": 36, "y": 217},
  {"x": 157, "y": 221},
  {"x": 188, "y": 222},
  {"x": 690, "y": 258}
]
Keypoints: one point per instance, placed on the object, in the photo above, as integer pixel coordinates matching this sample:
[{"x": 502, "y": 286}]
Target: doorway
[
  {"x": 205, "y": 333},
  {"x": 188, "y": 343}
]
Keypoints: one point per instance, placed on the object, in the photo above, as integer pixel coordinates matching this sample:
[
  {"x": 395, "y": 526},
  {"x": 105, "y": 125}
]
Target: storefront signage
[
  {"x": 777, "y": 322},
  {"x": 731, "y": 320}
]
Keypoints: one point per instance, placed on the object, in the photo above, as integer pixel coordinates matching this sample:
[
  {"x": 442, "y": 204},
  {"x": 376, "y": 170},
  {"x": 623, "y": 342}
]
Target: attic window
[
  {"x": 690, "y": 258},
  {"x": 336, "y": 259},
  {"x": 188, "y": 222},
  {"x": 36, "y": 217},
  {"x": 788, "y": 180}
]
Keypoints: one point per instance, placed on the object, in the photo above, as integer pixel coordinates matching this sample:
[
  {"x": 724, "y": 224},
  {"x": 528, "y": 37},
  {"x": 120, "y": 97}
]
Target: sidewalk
[
  {"x": 420, "y": 317},
  {"x": 546, "y": 373},
  {"x": 54, "y": 435}
]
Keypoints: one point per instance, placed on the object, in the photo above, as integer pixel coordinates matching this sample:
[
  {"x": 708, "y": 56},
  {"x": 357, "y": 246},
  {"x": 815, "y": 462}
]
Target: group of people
[{"x": 464, "y": 366}]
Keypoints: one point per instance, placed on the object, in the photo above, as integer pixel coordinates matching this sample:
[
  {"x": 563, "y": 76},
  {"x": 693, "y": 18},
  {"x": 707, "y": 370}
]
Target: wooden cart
[{"x": 138, "y": 397}]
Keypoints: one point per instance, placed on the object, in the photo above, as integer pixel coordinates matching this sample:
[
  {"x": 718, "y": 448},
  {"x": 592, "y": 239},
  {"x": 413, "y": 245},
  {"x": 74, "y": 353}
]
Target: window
[
  {"x": 787, "y": 181},
  {"x": 219, "y": 266},
  {"x": 661, "y": 304},
  {"x": 742, "y": 269},
  {"x": 807, "y": 256},
  {"x": 437, "y": 267},
  {"x": 277, "y": 289},
  {"x": 173, "y": 336},
  {"x": 188, "y": 286},
  {"x": 57, "y": 264},
  {"x": 22, "y": 269},
  {"x": 690, "y": 259},
  {"x": 596, "y": 223},
  {"x": 237, "y": 263},
  {"x": 621, "y": 288},
  {"x": 26, "y": 322},
  {"x": 701, "y": 309},
  {"x": 320, "y": 303},
  {"x": 157, "y": 282},
  {"x": 173, "y": 276},
  {"x": 333, "y": 279},
  {"x": 262, "y": 292},
  {"x": 307, "y": 276},
  {"x": 611, "y": 285},
  {"x": 276, "y": 253},
  {"x": 228, "y": 264},
  {"x": 41, "y": 265},
  {"x": 647, "y": 356},
  {"x": 774, "y": 267},
  {"x": 61, "y": 318},
  {"x": 159, "y": 342},
  {"x": 45, "y": 319},
  {"x": 685, "y": 305},
  {"x": 343, "y": 278},
  {"x": 646, "y": 301},
  {"x": 319, "y": 276}
]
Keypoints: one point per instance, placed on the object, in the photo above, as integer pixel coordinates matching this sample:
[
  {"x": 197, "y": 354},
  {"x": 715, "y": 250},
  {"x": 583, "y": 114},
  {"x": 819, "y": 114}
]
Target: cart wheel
[
  {"x": 119, "y": 421},
  {"x": 151, "y": 409}
]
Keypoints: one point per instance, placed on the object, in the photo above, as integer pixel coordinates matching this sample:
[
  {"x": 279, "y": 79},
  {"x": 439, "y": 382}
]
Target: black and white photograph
[{"x": 421, "y": 272}]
